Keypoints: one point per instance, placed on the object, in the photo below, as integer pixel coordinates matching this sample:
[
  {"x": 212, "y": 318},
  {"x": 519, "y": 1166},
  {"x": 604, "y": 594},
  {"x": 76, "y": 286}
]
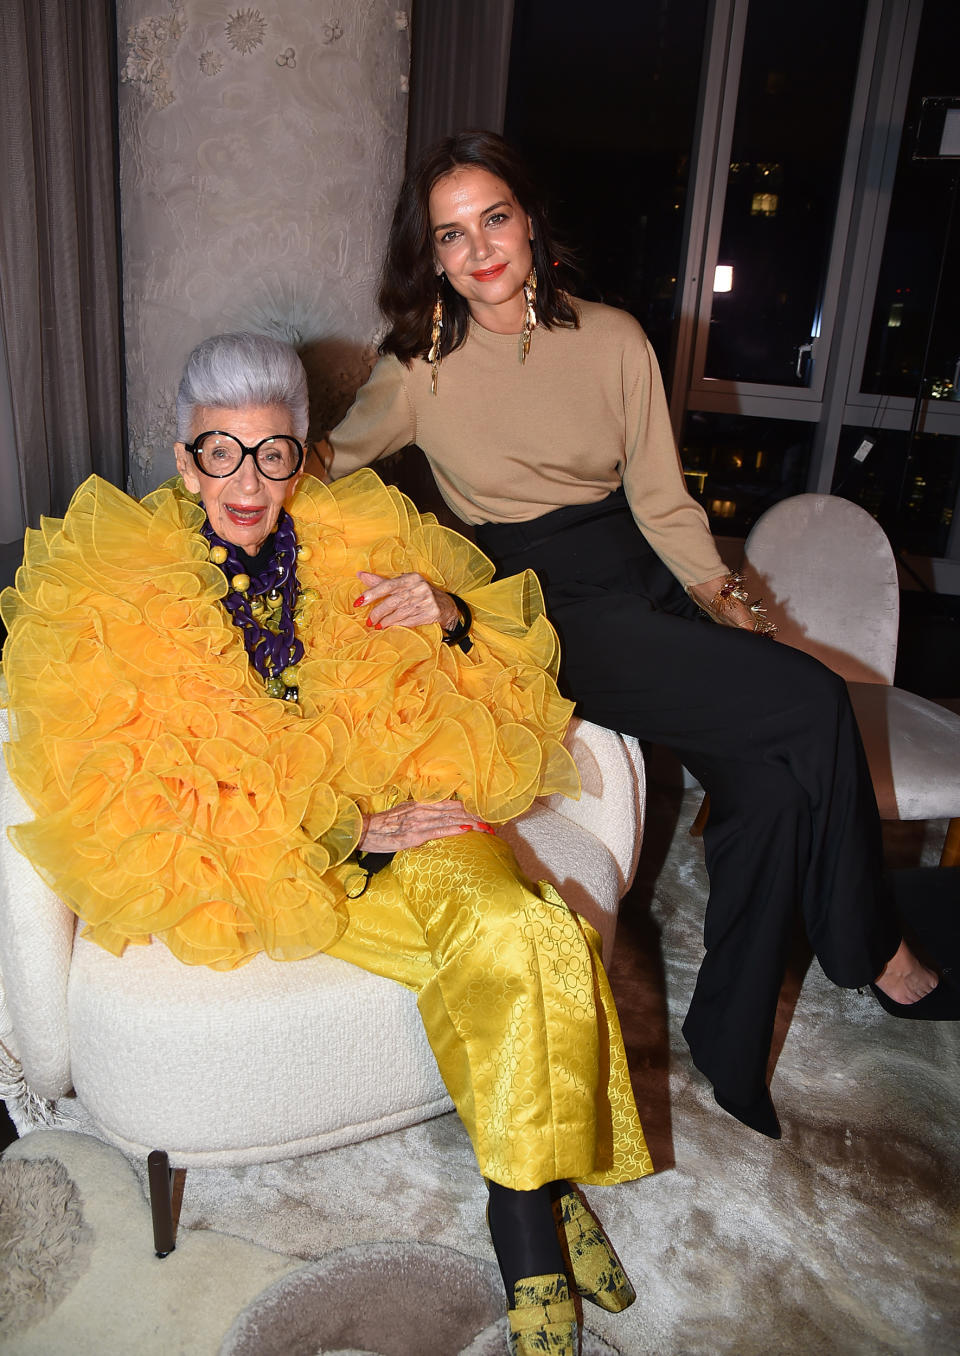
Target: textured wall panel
[{"x": 261, "y": 147}]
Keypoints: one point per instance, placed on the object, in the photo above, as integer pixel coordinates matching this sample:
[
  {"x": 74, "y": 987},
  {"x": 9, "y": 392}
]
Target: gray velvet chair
[{"x": 828, "y": 575}]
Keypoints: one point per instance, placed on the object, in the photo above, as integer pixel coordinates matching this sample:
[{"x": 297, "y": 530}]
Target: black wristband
[
  {"x": 460, "y": 635},
  {"x": 369, "y": 863},
  {"x": 374, "y": 861}
]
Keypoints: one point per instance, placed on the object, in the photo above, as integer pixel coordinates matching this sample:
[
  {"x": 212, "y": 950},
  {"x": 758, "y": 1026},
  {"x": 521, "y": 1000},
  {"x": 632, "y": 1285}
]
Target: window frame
[{"x": 834, "y": 397}]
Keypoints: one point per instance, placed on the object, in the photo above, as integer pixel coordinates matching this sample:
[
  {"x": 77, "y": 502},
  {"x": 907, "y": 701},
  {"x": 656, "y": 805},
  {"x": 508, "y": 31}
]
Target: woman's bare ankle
[{"x": 906, "y": 979}]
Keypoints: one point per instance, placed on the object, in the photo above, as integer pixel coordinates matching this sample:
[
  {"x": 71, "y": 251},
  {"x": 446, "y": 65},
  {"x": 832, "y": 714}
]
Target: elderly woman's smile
[{"x": 243, "y": 508}]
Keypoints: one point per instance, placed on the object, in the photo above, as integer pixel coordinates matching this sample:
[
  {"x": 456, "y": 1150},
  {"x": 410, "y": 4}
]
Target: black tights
[{"x": 524, "y": 1233}]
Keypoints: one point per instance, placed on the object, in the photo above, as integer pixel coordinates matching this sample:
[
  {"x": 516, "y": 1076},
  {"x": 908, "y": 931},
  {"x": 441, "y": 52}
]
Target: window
[
  {"x": 902, "y": 397},
  {"x": 922, "y": 245},
  {"x": 909, "y": 486},
  {"x": 737, "y": 466},
  {"x": 739, "y": 177},
  {"x": 792, "y": 116},
  {"x": 603, "y": 102}
]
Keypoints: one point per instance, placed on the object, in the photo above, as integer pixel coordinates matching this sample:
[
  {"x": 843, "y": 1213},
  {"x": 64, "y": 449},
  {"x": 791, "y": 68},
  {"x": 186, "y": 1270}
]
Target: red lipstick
[
  {"x": 487, "y": 274},
  {"x": 244, "y": 515}
]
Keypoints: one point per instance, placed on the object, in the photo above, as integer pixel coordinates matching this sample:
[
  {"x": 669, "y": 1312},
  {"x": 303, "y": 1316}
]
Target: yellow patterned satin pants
[{"x": 516, "y": 1006}]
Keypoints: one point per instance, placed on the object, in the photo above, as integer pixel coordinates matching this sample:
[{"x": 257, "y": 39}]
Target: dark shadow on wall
[{"x": 336, "y": 369}]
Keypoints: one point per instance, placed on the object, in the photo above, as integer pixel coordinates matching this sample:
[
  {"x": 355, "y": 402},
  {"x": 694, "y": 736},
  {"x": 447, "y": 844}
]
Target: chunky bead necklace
[{"x": 266, "y": 608}]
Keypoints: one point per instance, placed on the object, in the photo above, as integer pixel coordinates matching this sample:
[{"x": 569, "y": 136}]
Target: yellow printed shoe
[
  {"x": 597, "y": 1273},
  {"x": 543, "y": 1321}
]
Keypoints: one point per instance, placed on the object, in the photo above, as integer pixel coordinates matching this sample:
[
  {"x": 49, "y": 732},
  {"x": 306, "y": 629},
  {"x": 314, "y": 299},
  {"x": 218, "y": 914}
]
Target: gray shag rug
[
  {"x": 45, "y": 1244},
  {"x": 842, "y": 1238},
  {"x": 382, "y": 1299}
]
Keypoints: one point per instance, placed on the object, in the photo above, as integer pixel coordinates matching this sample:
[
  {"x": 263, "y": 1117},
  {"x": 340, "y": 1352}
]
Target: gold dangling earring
[
  {"x": 434, "y": 355},
  {"x": 530, "y": 315}
]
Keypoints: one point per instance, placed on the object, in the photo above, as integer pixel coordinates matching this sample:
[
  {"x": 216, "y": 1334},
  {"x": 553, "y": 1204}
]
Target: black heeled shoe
[
  {"x": 941, "y": 1004},
  {"x": 926, "y": 904},
  {"x": 758, "y": 1114}
]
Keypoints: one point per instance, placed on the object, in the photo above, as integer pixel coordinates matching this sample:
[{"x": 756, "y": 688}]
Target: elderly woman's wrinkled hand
[
  {"x": 414, "y": 822},
  {"x": 406, "y": 600}
]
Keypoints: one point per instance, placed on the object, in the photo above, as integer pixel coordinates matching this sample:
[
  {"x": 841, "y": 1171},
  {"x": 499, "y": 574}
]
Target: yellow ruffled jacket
[{"x": 174, "y": 798}]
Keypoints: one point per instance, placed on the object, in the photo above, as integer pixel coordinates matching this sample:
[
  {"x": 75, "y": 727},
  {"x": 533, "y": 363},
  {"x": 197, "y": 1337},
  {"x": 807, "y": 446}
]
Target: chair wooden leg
[
  {"x": 700, "y": 823},
  {"x": 950, "y": 856},
  {"x": 161, "y": 1202}
]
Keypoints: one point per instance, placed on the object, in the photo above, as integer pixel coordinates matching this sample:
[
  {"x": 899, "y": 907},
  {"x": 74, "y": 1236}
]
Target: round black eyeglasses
[{"x": 219, "y": 454}]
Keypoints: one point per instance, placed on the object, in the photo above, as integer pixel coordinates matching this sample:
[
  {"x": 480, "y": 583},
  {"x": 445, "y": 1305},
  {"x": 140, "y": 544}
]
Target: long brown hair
[{"x": 408, "y": 283}]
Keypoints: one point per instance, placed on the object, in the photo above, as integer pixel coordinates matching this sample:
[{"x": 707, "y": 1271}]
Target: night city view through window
[
  {"x": 789, "y": 137},
  {"x": 912, "y": 487},
  {"x": 604, "y": 108},
  {"x": 606, "y": 111}
]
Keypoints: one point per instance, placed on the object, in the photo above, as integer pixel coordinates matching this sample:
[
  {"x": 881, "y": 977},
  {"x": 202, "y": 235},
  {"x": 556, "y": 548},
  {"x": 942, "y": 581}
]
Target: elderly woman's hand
[
  {"x": 412, "y": 823},
  {"x": 406, "y": 600}
]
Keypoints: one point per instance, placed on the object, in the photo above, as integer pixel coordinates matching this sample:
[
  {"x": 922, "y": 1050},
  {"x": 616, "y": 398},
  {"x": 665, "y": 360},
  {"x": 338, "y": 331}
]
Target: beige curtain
[
  {"x": 59, "y": 268},
  {"x": 460, "y": 60}
]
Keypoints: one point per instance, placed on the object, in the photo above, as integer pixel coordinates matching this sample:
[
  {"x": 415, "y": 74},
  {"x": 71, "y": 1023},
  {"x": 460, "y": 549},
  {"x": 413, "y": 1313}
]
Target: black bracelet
[
  {"x": 369, "y": 863},
  {"x": 460, "y": 635},
  {"x": 374, "y": 861}
]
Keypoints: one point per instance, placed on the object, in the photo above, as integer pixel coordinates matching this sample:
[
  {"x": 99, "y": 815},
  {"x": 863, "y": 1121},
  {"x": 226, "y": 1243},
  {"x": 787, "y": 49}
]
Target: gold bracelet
[
  {"x": 734, "y": 586},
  {"x": 762, "y": 624}
]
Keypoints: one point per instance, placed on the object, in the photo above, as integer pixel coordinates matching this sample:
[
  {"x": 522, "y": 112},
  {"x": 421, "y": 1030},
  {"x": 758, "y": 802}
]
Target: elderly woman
[{"x": 222, "y": 733}]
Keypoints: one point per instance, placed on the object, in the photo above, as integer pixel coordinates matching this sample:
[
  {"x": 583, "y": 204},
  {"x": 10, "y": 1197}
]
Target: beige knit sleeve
[
  {"x": 673, "y": 523},
  {"x": 381, "y": 420}
]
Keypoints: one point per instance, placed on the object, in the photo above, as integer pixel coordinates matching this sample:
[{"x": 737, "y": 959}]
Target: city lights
[{"x": 723, "y": 278}]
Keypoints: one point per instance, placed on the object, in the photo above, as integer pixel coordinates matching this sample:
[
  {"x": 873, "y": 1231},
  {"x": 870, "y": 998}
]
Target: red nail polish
[
  {"x": 378, "y": 627},
  {"x": 359, "y": 602},
  {"x": 466, "y": 826},
  {"x": 369, "y": 622}
]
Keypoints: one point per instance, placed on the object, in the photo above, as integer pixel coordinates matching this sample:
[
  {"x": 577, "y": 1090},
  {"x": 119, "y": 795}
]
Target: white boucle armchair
[{"x": 271, "y": 1060}]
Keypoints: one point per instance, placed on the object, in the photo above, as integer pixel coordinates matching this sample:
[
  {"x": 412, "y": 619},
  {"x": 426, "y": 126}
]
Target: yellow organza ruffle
[
  {"x": 173, "y": 798},
  {"x": 425, "y": 720}
]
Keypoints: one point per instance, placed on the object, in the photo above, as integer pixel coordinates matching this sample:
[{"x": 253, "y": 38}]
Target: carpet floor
[{"x": 844, "y": 1237}]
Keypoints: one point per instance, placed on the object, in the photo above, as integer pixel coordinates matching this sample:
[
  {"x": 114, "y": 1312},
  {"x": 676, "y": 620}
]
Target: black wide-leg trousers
[{"x": 769, "y": 733}]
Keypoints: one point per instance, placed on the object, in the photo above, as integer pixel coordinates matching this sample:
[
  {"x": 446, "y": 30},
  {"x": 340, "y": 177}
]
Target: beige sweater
[{"x": 509, "y": 442}]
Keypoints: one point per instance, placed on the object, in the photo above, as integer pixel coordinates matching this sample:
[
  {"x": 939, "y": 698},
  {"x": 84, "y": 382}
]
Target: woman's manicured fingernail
[
  {"x": 466, "y": 827},
  {"x": 378, "y": 626},
  {"x": 369, "y": 621},
  {"x": 359, "y": 602}
]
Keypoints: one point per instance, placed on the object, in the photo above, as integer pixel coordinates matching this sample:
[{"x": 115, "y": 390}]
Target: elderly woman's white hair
[{"x": 235, "y": 371}]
